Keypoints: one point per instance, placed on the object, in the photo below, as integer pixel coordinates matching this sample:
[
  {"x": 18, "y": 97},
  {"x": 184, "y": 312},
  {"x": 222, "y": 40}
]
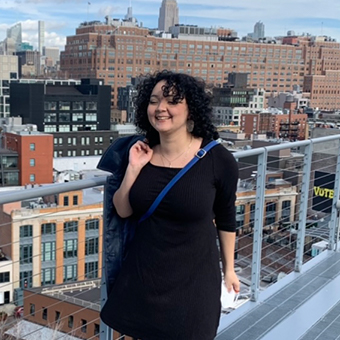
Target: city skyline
[{"x": 60, "y": 21}]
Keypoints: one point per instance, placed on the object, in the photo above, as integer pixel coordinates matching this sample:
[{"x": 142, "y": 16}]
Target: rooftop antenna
[{"x": 321, "y": 28}]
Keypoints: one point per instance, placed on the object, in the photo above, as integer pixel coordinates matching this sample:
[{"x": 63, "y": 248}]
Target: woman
[{"x": 170, "y": 283}]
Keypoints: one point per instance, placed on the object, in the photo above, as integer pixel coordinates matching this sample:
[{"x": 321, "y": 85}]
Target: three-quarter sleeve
[{"x": 226, "y": 177}]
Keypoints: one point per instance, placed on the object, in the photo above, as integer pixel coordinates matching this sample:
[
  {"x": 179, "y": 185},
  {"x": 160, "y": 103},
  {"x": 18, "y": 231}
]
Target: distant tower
[
  {"x": 258, "y": 31},
  {"x": 15, "y": 33},
  {"x": 168, "y": 15},
  {"x": 128, "y": 15},
  {"x": 41, "y": 34}
]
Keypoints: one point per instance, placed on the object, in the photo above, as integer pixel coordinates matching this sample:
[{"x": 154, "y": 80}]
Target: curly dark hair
[{"x": 179, "y": 86}]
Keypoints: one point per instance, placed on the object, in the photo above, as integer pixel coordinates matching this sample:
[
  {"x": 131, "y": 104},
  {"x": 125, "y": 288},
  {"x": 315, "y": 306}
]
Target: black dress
[{"x": 169, "y": 285}]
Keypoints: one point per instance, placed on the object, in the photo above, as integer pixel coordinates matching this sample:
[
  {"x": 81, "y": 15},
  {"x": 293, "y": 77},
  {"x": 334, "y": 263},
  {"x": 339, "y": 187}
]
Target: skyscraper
[
  {"x": 15, "y": 33},
  {"x": 52, "y": 53},
  {"x": 41, "y": 34},
  {"x": 168, "y": 15},
  {"x": 258, "y": 31}
]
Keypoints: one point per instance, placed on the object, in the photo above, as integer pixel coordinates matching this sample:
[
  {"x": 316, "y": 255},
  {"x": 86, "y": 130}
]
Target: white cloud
[{"x": 107, "y": 10}]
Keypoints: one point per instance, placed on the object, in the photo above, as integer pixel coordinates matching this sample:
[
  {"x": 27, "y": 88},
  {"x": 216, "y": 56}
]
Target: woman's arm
[
  {"x": 227, "y": 246},
  {"x": 139, "y": 155}
]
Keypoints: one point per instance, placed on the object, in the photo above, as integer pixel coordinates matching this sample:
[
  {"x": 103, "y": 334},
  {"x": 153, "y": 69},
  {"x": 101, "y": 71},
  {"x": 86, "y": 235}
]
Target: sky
[{"x": 62, "y": 17}]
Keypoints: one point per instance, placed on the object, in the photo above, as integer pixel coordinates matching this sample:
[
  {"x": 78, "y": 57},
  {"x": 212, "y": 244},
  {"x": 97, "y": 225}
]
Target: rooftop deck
[{"x": 302, "y": 306}]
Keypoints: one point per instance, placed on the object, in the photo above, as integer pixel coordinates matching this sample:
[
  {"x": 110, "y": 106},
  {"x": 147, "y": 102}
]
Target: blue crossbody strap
[{"x": 199, "y": 155}]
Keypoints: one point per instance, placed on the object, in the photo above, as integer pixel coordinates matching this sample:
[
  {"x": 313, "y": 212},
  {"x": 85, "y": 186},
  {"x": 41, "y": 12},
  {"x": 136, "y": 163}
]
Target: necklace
[{"x": 177, "y": 157}]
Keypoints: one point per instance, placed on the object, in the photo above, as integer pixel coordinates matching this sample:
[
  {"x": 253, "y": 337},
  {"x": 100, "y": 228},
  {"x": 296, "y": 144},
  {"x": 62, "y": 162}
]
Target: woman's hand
[
  {"x": 231, "y": 281},
  {"x": 140, "y": 154}
]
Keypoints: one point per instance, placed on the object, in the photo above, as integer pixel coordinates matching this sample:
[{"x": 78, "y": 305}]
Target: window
[
  {"x": 32, "y": 309},
  {"x": 10, "y": 162},
  {"x": 70, "y": 227},
  {"x": 26, "y": 254},
  {"x": 83, "y": 325},
  {"x": 92, "y": 224},
  {"x": 44, "y": 313},
  {"x": 91, "y": 270},
  {"x": 92, "y": 117},
  {"x": 78, "y": 106},
  {"x": 26, "y": 279},
  {"x": 64, "y": 117},
  {"x": 65, "y": 106},
  {"x": 96, "y": 329},
  {"x": 64, "y": 128},
  {"x": 70, "y": 321},
  {"x": 50, "y": 117},
  {"x": 285, "y": 211},
  {"x": 48, "y": 251},
  {"x": 32, "y": 162},
  {"x": 26, "y": 231},
  {"x": 70, "y": 273},
  {"x": 32, "y": 177},
  {"x": 50, "y": 128},
  {"x": 48, "y": 228},
  {"x": 91, "y": 106},
  {"x": 252, "y": 215},
  {"x": 70, "y": 248},
  {"x": 48, "y": 276},
  {"x": 91, "y": 246},
  {"x": 57, "y": 316},
  {"x": 240, "y": 215},
  {"x": 77, "y": 117},
  {"x": 4, "y": 277},
  {"x": 75, "y": 200},
  {"x": 85, "y": 141},
  {"x": 49, "y": 106},
  {"x": 65, "y": 201},
  {"x": 32, "y": 146},
  {"x": 270, "y": 213}
]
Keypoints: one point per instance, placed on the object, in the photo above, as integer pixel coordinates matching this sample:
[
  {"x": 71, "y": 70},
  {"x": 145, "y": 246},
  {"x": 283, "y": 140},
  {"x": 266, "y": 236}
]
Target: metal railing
[{"x": 272, "y": 237}]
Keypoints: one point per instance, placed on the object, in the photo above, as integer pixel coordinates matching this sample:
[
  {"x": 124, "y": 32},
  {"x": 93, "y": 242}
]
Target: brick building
[
  {"x": 324, "y": 90},
  {"x": 116, "y": 53},
  {"x": 292, "y": 126},
  {"x": 27, "y": 157}
]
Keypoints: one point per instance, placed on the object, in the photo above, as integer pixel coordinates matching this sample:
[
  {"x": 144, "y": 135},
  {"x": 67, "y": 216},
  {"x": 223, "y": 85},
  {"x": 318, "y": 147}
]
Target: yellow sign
[{"x": 323, "y": 192}]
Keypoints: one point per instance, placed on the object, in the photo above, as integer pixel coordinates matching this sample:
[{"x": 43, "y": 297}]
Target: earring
[{"x": 190, "y": 125}]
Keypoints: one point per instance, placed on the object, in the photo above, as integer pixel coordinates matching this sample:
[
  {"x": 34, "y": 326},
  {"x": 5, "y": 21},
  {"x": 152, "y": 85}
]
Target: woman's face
[{"x": 165, "y": 115}]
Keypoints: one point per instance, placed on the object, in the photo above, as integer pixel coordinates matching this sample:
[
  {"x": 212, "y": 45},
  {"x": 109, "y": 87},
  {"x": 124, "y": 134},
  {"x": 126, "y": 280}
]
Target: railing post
[
  {"x": 333, "y": 225},
  {"x": 105, "y": 331},
  {"x": 258, "y": 224},
  {"x": 300, "y": 240}
]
